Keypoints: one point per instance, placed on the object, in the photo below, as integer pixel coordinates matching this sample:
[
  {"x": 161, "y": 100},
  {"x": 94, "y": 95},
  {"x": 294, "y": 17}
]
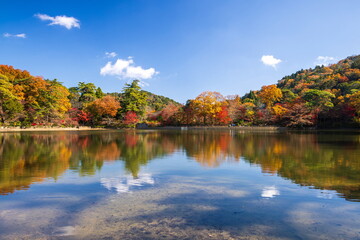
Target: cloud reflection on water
[
  {"x": 326, "y": 194},
  {"x": 270, "y": 192},
  {"x": 127, "y": 183}
]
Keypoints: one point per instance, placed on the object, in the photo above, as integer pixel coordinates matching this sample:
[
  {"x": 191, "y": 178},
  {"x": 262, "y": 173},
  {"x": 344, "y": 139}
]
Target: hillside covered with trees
[
  {"x": 27, "y": 100},
  {"x": 325, "y": 96}
]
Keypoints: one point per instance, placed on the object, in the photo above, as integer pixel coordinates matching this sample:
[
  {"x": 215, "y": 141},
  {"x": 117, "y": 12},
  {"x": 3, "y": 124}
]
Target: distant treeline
[{"x": 326, "y": 96}]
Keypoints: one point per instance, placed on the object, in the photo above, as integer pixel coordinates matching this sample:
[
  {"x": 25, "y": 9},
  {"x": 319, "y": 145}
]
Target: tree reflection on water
[{"x": 324, "y": 161}]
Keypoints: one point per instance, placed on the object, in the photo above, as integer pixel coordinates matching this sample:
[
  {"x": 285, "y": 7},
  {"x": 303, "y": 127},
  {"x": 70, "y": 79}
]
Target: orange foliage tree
[
  {"x": 269, "y": 95},
  {"x": 106, "y": 106}
]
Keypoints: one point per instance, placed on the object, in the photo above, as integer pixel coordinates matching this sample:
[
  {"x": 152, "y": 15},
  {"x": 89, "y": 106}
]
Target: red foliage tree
[
  {"x": 299, "y": 116},
  {"x": 130, "y": 119},
  {"x": 83, "y": 117},
  {"x": 167, "y": 114},
  {"x": 223, "y": 116}
]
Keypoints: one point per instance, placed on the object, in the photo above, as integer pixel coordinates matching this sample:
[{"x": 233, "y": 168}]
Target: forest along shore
[{"x": 320, "y": 97}]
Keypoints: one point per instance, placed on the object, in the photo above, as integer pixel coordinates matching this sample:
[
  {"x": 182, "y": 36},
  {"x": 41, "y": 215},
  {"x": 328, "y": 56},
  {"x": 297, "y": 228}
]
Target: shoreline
[
  {"x": 252, "y": 128},
  {"x": 57, "y": 129},
  {"x": 185, "y": 128},
  {"x": 245, "y": 128}
]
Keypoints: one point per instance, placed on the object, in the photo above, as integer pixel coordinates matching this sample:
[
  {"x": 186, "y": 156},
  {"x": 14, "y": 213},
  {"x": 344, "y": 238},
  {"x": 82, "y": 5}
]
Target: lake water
[{"x": 226, "y": 184}]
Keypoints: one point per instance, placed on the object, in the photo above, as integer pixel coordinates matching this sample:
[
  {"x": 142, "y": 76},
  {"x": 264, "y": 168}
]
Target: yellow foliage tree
[
  {"x": 270, "y": 94},
  {"x": 207, "y": 105},
  {"x": 279, "y": 110},
  {"x": 59, "y": 96}
]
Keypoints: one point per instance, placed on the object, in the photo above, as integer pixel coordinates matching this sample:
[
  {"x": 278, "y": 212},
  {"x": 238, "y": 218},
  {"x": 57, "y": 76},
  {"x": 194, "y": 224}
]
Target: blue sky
[{"x": 179, "y": 48}]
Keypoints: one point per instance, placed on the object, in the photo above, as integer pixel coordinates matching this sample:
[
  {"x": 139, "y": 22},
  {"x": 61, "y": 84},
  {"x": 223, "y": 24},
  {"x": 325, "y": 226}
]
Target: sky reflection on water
[{"x": 195, "y": 184}]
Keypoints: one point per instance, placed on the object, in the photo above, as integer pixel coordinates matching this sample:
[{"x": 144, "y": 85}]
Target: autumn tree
[
  {"x": 13, "y": 74},
  {"x": 207, "y": 105},
  {"x": 44, "y": 99},
  {"x": 34, "y": 90},
  {"x": 83, "y": 117},
  {"x": 354, "y": 100},
  {"x": 167, "y": 114},
  {"x": 278, "y": 111},
  {"x": 269, "y": 95},
  {"x": 233, "y": 106},
  {"x": 223, "y": 117},
  {"x": 9, "y": 102},
  {"x": 299, "y": 116},
  {"x": 187, "y": 115},
  {"x": 106, "y": 106},
  {"x": 57, "y": 102},
  {"x": 130, "y": 119},
  {"x": 247, "y": 113}
]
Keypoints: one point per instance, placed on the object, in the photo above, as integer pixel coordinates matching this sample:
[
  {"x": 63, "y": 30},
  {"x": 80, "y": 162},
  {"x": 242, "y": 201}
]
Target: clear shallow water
[{"x": 179, "y": 185}]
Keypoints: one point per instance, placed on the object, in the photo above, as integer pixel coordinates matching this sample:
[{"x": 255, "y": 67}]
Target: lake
[{"x": 194, "y": 184}]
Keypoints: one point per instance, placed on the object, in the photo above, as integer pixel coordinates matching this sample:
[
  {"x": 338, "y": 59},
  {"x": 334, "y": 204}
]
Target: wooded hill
[
  {"x": 27, "y": 100},
  {"x": 324, "y": 96},
  {"x": 329, "y": 93}
]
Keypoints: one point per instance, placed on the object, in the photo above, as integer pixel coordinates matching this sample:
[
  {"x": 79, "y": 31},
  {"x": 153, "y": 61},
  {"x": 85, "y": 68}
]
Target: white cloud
[
  {"x": 270, "y": 60},
  {"x": 20, "y": 35},
  {"x": 324, "y": 60},
  {"x": 68, "y": 22},
  {"x": 110, "y": 54},
  {"x": 124, "y": 68}
]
